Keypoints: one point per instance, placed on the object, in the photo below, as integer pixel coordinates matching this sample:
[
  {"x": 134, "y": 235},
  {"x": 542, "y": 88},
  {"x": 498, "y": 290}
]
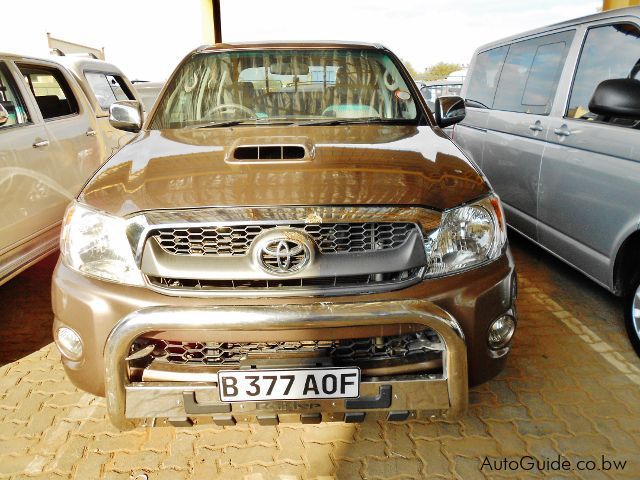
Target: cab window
[
  {"x": 51, "y": 91},
  {"x": 612, "y": 51},
  {"x": 108, "y": 88},
  {"x": 11, "y": 100}
]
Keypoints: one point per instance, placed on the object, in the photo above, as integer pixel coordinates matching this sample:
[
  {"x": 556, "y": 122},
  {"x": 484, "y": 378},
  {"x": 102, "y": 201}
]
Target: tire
[{"x": 632, "y": 317}]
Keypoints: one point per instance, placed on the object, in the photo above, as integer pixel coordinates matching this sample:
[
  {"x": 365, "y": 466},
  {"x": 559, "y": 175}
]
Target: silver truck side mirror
[
  {"x": 4, "y": 115},
  {"x": 126, "y": 115}
]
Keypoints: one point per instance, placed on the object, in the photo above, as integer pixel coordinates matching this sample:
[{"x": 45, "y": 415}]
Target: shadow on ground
[{"x": 25, "y": 306}]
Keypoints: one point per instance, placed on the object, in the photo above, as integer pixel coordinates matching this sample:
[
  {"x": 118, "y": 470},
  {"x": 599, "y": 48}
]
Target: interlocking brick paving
[{"x": 571, "y": 388}]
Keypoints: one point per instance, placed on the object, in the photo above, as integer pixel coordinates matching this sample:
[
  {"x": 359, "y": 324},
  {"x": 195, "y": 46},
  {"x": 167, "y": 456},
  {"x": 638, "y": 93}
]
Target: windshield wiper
[
  {"x": 224, "y": 123},
  {"x": 347, "y": 121},
  {"x": 244, "y": 121},
  {"x": 474, "y": 103}
]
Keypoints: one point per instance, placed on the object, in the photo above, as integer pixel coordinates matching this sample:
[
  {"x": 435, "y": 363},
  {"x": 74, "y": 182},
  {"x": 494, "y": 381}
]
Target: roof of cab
[
  {"x": 19, "y": 57},
  {"x": 609, "y": 14},
  {"x": 275, "y": 45},
  {"x": 80, "y": 64}
]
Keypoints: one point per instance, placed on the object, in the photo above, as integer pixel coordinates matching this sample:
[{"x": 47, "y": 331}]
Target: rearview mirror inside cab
[
  {"x": 618, "y": 98},
  {"x": 286, "y": 68},
  {"x": 4, "y": 115},
  {"x": 449, "y": 110},
  {"x": 126, "y": 115}
]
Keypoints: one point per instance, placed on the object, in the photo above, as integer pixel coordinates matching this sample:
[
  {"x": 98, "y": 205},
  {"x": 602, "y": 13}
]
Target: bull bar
[{"x": 127, "y": 400}]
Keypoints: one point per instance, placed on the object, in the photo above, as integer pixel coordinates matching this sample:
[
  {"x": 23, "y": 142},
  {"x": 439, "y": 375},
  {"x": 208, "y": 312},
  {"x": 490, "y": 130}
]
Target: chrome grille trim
[
  {"x": 380, "y": 241},
  {"x": 140, "y": 225},
  {"x": 330, "y": 238}
]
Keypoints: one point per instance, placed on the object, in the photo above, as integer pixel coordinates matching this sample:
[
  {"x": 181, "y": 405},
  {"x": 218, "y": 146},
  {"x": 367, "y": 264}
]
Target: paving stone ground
[{"x": 571, "y": 388}]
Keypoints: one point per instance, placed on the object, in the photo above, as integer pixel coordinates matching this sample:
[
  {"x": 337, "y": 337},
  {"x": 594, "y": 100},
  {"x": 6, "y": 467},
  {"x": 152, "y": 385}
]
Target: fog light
[
  {"x": 69, "y": 343},
  {"x": 501, "y": 331}
]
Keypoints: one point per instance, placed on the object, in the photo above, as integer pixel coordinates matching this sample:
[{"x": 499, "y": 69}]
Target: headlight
[
  {"x": 468, "y": 236},
  {"x": 95, "y": 244}
]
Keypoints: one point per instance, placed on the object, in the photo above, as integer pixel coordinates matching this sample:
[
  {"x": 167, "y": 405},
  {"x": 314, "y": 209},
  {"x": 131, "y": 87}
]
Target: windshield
[{"x": 296, "y": 86}]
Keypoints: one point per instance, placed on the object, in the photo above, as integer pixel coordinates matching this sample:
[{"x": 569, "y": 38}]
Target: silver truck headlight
[
  {"x": 468, "y": 236},
  {"x": 95, "y": 244}
]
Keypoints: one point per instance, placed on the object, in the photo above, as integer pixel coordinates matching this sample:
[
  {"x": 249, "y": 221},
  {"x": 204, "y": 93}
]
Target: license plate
[{"x": 293, "y": 384}]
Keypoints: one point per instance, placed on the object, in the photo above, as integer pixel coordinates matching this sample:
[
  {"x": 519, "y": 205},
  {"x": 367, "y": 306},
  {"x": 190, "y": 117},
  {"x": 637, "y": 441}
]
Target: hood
[{"x": 346, "y": 165}]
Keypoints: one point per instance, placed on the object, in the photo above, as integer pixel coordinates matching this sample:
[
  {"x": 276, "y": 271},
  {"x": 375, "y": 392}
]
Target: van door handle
[
  {"x": 536, "y": 127},
  {"x": 40, "y": 143},
  {"x": 90, "y": 133},
  {"x": 563, "y": 131}
]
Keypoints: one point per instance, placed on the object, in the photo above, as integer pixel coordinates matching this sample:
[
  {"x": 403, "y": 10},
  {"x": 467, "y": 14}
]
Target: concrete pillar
[
  {"x": 613, "y": 4},
  {"x": 211, "y": 24},
  {"x": 206, "y": 16}
]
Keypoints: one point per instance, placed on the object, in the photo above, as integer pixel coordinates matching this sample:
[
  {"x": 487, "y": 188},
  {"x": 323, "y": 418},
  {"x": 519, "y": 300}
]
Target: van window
[
  {"x": 108, "y": 88},
  {"x": 484, "y": 77},
  {"x": 612, "y": 51},
  {"x": 11, "y": 100},
  {"x": 531, "y": 74},
  {"x": 51, "y": 90}
]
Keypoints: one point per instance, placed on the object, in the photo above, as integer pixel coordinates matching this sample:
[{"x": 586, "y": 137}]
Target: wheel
[{"x": 632, "y": 317}]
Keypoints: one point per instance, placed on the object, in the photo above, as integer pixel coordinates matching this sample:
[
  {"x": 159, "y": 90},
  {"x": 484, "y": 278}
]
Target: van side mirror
[
  {"x": 126, "y": 115},
  {"x": 449, "y": 110},
  {"x": 4, "y": 115},
  {"x": 617, "y": 97}
]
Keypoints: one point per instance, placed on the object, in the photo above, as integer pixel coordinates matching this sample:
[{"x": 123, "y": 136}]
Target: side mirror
[
  {"x": 618, "y": 97},
  {"x": 449, "y": 110},
  {"x": 126, "y": 115},
  {"x": 4, "y": 115}
]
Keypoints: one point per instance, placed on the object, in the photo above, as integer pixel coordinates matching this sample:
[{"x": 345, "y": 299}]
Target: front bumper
[
  {"x": 100, "y": 310},
  {"x": 182, "y": 403}
]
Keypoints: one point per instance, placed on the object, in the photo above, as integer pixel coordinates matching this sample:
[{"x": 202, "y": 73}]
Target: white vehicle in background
[
  {"x": 148, "y": 92},
  {"x": 54, "y": 134},
  {"x": 438, "y": 88}
]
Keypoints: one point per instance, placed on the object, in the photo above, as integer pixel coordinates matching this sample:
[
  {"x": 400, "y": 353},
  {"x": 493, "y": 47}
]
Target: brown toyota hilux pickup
[{"x": 289, "y": 237}]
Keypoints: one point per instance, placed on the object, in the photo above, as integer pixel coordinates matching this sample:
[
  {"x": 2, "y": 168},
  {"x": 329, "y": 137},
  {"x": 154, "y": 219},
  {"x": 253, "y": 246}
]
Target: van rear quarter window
[
  {"x": 531, "y": 73},
  {"x": 485, "y": 75}
]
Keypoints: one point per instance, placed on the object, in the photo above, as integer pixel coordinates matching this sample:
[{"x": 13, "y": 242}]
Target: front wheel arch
[{"x": 626, "y": 270}]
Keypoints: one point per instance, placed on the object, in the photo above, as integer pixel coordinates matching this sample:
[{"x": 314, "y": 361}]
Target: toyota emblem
[{"x": 284, "y": 253}]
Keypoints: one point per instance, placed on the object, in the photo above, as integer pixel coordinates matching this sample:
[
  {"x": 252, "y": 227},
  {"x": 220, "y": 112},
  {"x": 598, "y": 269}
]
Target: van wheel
[{"x": 632, "y": 317}]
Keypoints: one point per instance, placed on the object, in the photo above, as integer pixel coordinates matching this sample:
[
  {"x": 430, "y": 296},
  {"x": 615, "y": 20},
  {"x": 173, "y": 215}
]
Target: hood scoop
[{"x": 270, "y": 153}]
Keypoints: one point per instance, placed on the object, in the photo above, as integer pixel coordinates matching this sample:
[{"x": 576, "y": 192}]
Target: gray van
[{"x": 553, "y": 120}]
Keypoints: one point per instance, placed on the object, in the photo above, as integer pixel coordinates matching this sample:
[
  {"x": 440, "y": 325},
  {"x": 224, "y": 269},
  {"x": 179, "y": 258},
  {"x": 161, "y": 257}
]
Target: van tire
[{"x": 632, "y": 321}]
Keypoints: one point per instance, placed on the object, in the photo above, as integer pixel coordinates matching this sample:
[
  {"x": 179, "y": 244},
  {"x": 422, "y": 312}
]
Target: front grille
[
  {"x": 344, "y": 281},
  {"x": 329, "y": 237},
  {"x": 363, "y": 352}
]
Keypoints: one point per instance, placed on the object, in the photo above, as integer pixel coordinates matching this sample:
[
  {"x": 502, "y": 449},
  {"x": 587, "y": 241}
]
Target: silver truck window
[
  {"x": 51, "y": 90},
  {"x": 11, "y": 99},
  {"x": 531, "y": 72},
  {"x": 108, "y": 88},
  {"x": 608, "y": 52}
]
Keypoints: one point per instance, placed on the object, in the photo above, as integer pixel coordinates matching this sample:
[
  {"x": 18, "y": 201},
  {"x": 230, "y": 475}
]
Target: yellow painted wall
[{"x": 612, "y": 4}]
